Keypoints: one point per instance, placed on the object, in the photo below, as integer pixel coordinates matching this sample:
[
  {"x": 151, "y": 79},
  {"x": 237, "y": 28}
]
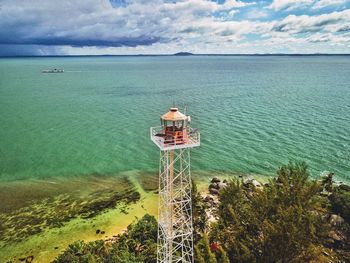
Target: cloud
[
  {"x": 28, "y": 50},
  {"x": 278, "y": 5},
  {"x": 256, "y": 14},
  {"x": 331, "y": 22},
  {"x": 164, "y": 26},
  {"x": 327, "y": 3},
  {"x": 229, "y": 4},
  {"x": 289, "y": 5},
  {"x": 97, "y": 23},
  {"x": 328, "y": 38}
]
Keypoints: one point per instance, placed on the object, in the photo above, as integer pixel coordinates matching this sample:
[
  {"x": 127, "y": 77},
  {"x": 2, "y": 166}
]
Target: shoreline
[
  {"x": 110, "y": 221},
  {"x": 46, "y": 244},
  {"x": 47, "y": 194}
]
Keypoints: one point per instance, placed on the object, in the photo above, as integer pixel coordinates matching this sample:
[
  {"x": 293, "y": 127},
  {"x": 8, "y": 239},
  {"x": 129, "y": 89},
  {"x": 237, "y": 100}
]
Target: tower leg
[{"x": 175, "y": 228}]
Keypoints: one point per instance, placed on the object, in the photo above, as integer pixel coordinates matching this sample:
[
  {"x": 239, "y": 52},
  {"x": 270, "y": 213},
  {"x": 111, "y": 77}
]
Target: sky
[{"x": 123, "y": 27}]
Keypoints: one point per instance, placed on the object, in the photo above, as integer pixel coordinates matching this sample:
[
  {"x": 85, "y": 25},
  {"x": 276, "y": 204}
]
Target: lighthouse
[{"x": 175, "y": 137}]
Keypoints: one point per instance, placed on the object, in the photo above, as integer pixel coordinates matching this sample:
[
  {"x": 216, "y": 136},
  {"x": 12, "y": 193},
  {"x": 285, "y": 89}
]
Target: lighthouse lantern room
[{"x": 175, "y": 131}]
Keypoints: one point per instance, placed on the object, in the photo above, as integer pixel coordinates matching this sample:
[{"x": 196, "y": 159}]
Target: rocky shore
[{"x": 337, "y": 216}]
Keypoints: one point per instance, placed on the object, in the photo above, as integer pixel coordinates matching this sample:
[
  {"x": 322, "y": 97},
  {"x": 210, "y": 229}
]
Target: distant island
[
  {"x": 183, "y": 54},
  {"x": 186, "y": 54}
]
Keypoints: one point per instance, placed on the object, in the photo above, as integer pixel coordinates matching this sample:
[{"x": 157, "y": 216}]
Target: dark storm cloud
[
  {"x": 62, "y": 41},
  {"x": 90, "y": 23},
  {"x": 116, "y": 23},
  {"x": 27, "y": 50}
]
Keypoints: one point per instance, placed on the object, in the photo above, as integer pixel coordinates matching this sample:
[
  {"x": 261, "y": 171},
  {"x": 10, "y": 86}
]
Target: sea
[{"x": 254, "y": 113}]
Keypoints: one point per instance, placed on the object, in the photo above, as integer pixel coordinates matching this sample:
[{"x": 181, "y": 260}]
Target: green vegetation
[
  {"x": 137, "y": 245},
  {"x": 149, "y": 181},
  {"x": 53, "y": 212},
  {"x": 290, "y": 219},
  {"x": 286, "y": 221},
  {"x": 200, "y": 220},
  {"x": 340, "y": 201}
]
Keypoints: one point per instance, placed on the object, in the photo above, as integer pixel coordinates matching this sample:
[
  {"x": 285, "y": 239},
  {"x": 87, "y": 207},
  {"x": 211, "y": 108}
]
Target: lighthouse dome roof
[{"x": 174, "y": 115}]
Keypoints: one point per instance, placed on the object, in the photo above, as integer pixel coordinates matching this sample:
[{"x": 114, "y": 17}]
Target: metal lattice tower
[{"x": 175, "y": 229}]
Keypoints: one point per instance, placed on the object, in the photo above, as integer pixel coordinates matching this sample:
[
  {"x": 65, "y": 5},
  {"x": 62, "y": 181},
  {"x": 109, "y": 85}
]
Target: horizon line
[{"x": 184, "y": 54}]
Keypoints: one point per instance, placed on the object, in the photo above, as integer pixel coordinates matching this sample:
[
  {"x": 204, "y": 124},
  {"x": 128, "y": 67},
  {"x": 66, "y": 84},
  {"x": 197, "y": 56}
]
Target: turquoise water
[{"x": 254, "y": 113}]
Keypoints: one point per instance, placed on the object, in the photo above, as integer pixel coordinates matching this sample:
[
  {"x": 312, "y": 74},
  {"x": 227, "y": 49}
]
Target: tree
[
  {"x": 221, "y": 256},
  {"x": 280, "y": 223},
  {"x": 137, "y": 245},
  {"x": 198, "y": 214},
  {"x": 327, "y": 182},
  {"x": 340, "y": 201},
  {"x": 203, "y": 251}
]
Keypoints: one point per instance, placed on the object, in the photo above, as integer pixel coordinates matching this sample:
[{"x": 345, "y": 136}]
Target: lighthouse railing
[{"x": 192, "y": 139}]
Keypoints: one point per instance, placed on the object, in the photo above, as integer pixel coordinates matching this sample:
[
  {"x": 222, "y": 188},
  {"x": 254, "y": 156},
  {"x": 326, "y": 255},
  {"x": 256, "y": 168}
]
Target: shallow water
[
  {"x": 254, "y": 113},
  {"x": 41, "y": 218}
]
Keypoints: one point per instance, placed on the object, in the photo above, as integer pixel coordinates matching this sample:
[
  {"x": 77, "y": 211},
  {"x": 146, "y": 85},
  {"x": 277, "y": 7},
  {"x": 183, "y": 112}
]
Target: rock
[
  {"x": 221, "y": 185},
  {"x": 344, "y": 187},
  {"x": 98, "y": 231},
  {"x": 214, "y": 191},
  {"x": 336, "y": 220},
  {"x": 215, "y": 203},
  {"x": 325, "y": 193},
  {"x": 252, "y": 182},
  {"x": 334, "y": 235},
  {"x": 215, "y": 180},
  {"x": 247, "y": 182},
  {"x": 256, "y": 183},
  {"x": 338, "y": 239},
  {"x": 208, "y": 198},
  {"x": 29, "y": 259},
  {"x": 214, "y": 185},
  {"x": 326, "y": 174}
]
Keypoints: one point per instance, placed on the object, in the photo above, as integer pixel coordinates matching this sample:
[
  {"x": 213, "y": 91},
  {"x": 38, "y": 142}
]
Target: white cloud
[
  {"x": 229, "y": 4},
  {"x": 256, "y": 14},
  {"x": 289, "y": 4},
  {"x": 326, "y": 3},
  {"x": 331, "y": 22}
]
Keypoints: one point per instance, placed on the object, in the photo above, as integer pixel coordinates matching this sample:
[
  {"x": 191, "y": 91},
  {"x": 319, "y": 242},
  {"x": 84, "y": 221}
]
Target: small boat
[{"x": 55, "y": 70}]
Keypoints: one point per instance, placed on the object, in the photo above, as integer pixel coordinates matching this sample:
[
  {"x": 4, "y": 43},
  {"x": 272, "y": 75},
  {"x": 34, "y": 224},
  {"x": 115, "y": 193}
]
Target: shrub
[{"x": 138, "y": 244}]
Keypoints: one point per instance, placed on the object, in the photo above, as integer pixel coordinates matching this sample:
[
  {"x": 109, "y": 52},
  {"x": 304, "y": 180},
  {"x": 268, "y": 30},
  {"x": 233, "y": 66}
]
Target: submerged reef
[
  {"x": 53, "y": 212},
  {"x": 149, "y": 182}
]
